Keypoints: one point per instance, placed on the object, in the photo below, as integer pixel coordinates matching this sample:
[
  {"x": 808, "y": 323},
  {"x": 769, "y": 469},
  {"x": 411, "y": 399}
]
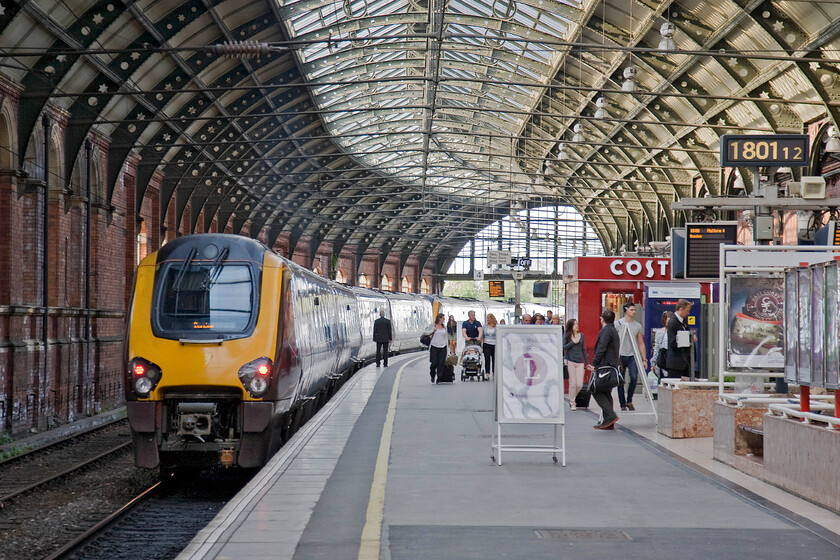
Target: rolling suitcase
[
  {"x": 446, "y": 374},
  {"x": 583, "y": 396}
]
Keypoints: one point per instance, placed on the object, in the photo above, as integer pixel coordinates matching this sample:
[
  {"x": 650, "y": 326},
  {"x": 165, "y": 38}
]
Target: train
[{"x": 230, "y": 348}]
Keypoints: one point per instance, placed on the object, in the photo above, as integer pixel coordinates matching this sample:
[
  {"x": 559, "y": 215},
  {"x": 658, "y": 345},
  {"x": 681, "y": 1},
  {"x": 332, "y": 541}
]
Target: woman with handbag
[
  {"x": 452, "y": 333},
  {"x": 605, "y": 376},
  {"x": 660, "y": 346},
  {"x": 574, "y": 350},
  {"x": 489, "y": 346},
  {"x": 437, "y": 347}
]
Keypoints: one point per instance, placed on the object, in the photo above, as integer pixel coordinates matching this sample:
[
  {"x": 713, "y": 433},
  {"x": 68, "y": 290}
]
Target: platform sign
[
  {"x": 529, "y": 374},
  {"x": 497, "y": 288},
  {"x": 498, "y": 258},
  {"x": 763, "y": 150},
  {"x": 702, "y": 247}
]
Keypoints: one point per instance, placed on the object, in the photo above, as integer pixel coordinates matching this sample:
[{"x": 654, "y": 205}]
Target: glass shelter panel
[
  {"x": 791, "y": 324},
  {"x": 803, "y": 372},
  {"x": 832, "y": 325},
  {"x": 817, "y": 324}
]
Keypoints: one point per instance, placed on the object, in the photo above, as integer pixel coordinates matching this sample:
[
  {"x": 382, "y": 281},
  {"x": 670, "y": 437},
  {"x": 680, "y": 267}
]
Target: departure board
[
  {"x": 497, "y": 288},
  {"x": 702, "y": 247},
  {"x": 750, "y": 150}
]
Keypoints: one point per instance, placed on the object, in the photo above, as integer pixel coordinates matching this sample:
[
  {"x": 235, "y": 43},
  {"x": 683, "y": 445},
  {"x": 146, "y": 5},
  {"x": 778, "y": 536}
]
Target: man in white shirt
[{"x": 632, "y": 340}]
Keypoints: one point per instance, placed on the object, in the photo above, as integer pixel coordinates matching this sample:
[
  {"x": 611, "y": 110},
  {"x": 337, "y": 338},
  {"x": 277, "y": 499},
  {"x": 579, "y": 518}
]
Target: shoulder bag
[
  {"x": 604, "y": 379},
  {"x": 660, "y": 358}
]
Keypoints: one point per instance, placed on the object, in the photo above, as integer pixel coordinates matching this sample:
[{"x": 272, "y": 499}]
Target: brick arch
[{"x": 7, "y": 138}]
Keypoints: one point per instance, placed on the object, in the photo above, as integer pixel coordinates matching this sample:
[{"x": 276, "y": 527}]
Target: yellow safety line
[{"x": 372, "y": 532}]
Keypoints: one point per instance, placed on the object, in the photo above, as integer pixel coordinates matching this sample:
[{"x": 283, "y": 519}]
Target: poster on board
[
  {"x": 529, "y": 374},
  {"x": 756, "y": 313}
]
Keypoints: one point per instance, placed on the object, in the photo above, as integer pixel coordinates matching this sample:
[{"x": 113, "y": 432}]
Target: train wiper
[
  {"x": 215, "y": 269},
  {"x": 176, "y": 285}
]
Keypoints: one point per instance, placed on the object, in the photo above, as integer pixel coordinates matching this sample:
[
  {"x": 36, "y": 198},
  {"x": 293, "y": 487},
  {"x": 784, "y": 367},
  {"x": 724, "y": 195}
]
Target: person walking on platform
[
  {"x": 471, "y": 329},
  {"x": 437, "y": 347},
  {"x": 452, "y": 333},
  {"x": 490, "y": 346},
  {"x": 632, "y": 341},
  {"x": 606, "y": 354},
  {"x": 660, "y": 343},
  {"x": 678, "y": 355},
  {"x": 526, "y": 319},
  {"x": 574, "y": 350},
  {"x": 383, "y": 334}
]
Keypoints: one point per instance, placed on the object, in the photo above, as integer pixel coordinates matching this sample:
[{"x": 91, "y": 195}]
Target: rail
[
  {"x": 793, "y": 412},
  {"x": 89, "y": 535}
]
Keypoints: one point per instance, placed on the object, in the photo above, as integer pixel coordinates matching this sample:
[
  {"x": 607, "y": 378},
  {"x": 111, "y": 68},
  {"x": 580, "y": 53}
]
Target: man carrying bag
[{"x": 605, "y": 376}]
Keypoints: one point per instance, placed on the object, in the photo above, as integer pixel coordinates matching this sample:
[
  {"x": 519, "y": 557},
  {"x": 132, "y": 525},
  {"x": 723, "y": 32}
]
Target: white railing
[{"x": 792, "y": 411}]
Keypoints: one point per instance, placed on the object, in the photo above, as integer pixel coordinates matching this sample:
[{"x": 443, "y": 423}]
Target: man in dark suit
[
  {"x": 678, "y": 355},
  {"x": 382, "y": 336}
]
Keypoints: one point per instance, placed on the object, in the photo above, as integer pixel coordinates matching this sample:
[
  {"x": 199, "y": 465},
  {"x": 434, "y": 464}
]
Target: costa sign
[
  {"x": 617, "y": 268},
  {"x": 634, "y": 267}
]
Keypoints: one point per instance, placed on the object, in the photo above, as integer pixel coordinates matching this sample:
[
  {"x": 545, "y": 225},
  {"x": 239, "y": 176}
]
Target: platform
[{"x": 406, "y": 474}]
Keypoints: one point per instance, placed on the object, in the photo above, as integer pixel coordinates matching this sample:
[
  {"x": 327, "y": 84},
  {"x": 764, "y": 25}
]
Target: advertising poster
[
  {"x": 756, "y": 313},
  {"x": 529, "y": 374}
]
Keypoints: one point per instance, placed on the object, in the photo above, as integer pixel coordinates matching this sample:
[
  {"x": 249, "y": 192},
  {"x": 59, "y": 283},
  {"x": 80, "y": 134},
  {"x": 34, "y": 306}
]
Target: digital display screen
[
  {"x": 702, "y": 247},
  {"x": 764, "y": 150},
  {"x": 497, "y": 288}
]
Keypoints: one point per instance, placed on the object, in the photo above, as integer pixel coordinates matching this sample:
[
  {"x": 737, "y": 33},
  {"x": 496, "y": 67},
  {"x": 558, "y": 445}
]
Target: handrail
[{"x": 789, "y": 411}]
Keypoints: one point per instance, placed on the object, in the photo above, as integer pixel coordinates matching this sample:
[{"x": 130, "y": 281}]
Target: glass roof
[{"x": 430, "y": 91}]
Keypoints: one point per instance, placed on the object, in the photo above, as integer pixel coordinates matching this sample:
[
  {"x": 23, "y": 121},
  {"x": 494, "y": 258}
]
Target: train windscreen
[{"x": 207, "y": 298}]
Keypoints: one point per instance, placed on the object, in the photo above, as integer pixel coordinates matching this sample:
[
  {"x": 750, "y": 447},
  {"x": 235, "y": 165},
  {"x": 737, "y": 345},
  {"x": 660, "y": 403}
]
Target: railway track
[
  {"x": 39, "y": 467},
  {"x": 160, "y": 522}
]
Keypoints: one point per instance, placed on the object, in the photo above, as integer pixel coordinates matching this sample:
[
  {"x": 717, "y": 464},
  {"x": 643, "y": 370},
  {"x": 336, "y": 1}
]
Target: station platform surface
[{"x": 397, "y": 468}]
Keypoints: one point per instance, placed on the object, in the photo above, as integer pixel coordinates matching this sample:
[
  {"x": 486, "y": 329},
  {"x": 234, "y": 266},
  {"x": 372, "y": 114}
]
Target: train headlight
[
  {"x": 143, "y": 385},
  {"x": 144, "y": 376},
  {"x": 255, "y": 376},
  {"x": 258, "y": 386}
]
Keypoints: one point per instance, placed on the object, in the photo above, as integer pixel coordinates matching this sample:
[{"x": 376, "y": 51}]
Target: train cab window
[{"x": 205, "y": 299}]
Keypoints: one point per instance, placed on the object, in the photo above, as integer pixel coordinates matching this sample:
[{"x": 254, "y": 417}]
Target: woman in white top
[
  {"x": 438, "y": 346},
  {"x": 660, "y": 341},
  {"x": 489, "y": 346}
]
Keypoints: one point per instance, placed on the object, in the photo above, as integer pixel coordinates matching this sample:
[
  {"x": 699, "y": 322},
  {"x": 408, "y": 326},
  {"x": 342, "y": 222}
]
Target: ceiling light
[
  {"x": 578, "y": 137},
  {"x": 562, "y": 154},
  {"x": 629, "y": 79},
  {"x": 601, "y": 111},
  {"x": 667, "y": 43},
  {"x": 833, "y": 144}
]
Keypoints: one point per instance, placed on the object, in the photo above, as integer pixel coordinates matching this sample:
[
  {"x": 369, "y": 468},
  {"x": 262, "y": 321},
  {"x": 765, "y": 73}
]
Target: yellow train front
[{"x": 212, "y": 362}]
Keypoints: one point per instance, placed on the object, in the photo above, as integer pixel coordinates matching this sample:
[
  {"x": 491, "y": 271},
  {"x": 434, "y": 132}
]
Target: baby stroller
[{"x": 472, "y": 361}]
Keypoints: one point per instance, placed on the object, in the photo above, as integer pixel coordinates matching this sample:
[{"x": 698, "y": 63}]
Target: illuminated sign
[
  {"x": 702, "y": 247},
  {"x": 764, "y": 150},
  {"x": 497, "y": 288}
]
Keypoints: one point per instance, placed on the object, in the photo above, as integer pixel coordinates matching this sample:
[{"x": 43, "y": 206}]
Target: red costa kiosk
[{"x": 593, "y": 283}]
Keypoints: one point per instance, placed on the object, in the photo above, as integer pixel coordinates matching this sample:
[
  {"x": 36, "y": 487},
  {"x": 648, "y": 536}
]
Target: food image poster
[{"x": 756, "y": 320}]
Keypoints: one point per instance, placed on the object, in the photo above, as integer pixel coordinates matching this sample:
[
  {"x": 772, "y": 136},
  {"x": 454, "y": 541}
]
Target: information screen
[
  {"x": 753, "y": 150},
  {"x": 497, "y": 288},
  {"x": 702, "y": 247}
]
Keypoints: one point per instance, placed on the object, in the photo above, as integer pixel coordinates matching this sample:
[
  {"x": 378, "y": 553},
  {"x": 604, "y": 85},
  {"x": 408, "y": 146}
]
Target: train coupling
[
  {"x": 195, "y": 418},
  {"x": 226, "y": 457}
]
